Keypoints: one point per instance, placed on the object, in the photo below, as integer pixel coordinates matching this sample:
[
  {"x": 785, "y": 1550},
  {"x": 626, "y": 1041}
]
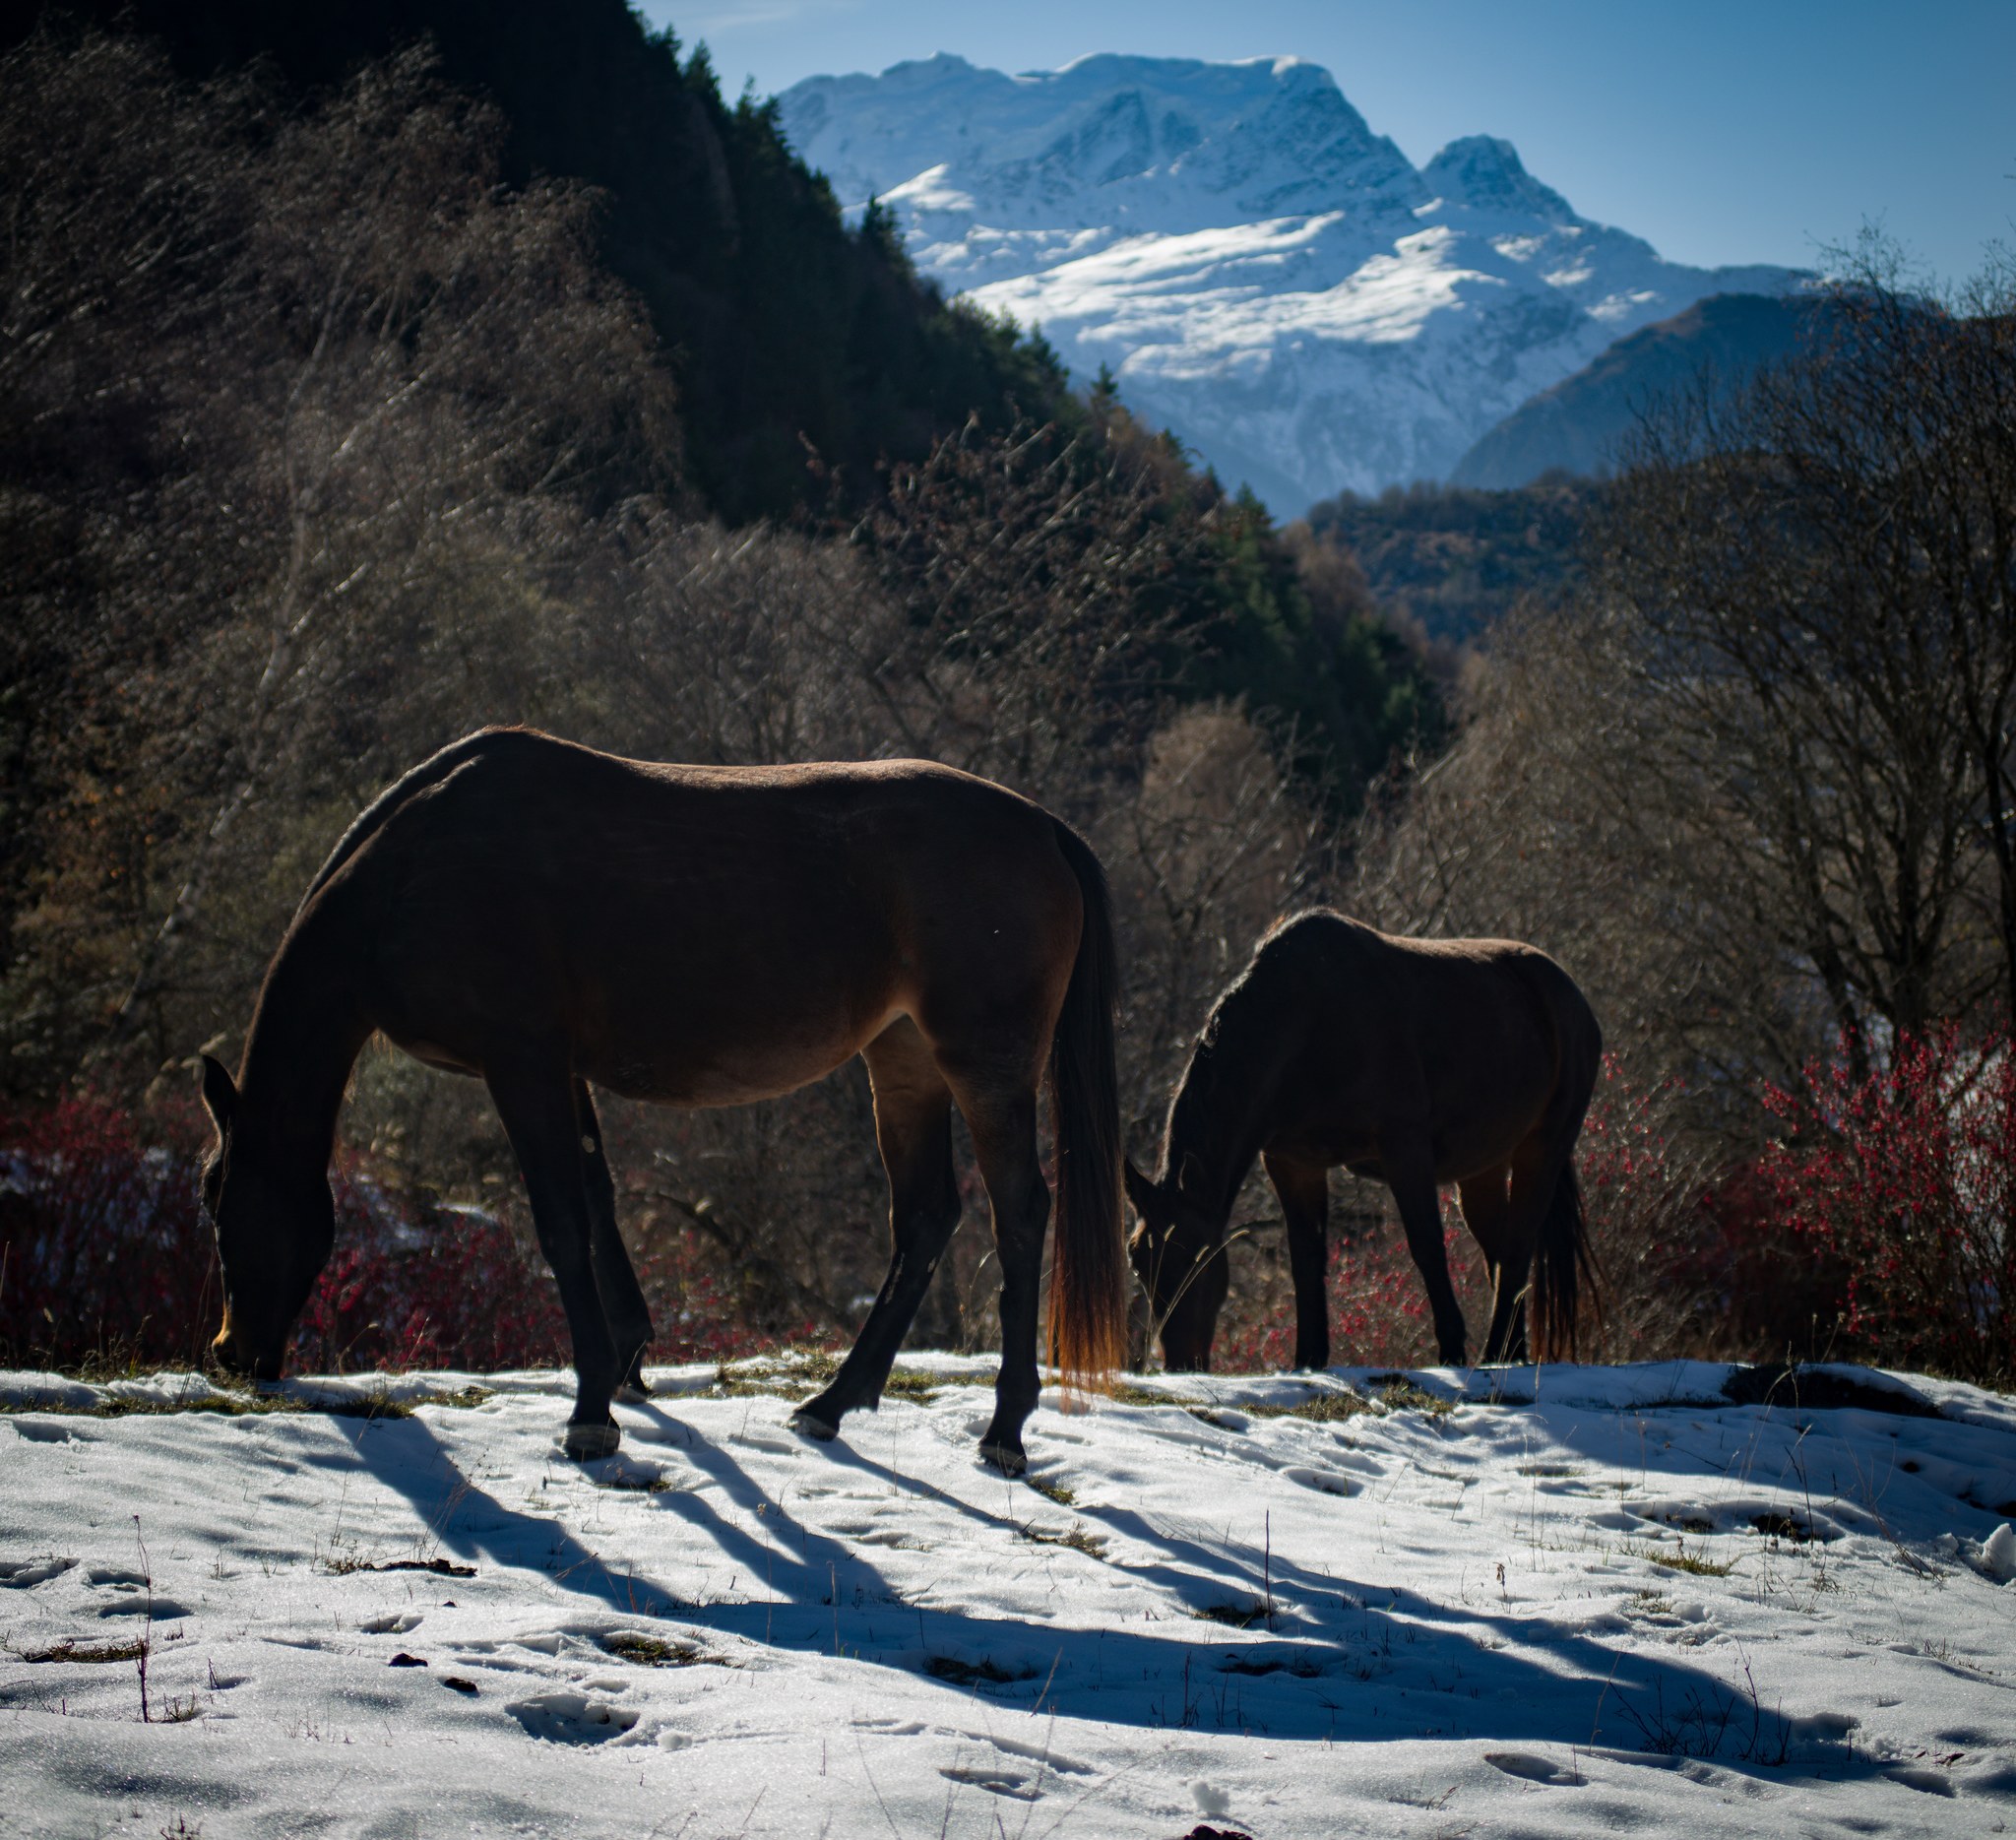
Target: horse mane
[
  {"x": 1196, "y": 1104},
  {"x": 431, "y": 772}
]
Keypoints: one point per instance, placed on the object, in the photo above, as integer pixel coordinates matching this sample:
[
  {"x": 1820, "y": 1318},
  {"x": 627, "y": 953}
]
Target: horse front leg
[
  {"x": 624, "y": 1310},
  {"x": 1410, "y": 1174},
  {"x": 1304, "y": 1193},
  {"x": 535, "y": 1101}
]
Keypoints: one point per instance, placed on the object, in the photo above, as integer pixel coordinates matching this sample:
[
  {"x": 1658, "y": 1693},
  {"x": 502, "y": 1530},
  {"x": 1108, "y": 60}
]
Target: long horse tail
[
  {"x": 1088, "y": 1277},
  {"x": 422, "y": 778},
  {"x": 1562, "y": 1262}
]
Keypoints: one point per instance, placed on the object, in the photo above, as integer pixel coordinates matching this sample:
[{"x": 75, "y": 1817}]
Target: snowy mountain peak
[
  {"x": 1486, "y": 173},
  {"x": 1151, "y": 143},
  {"x": 1266, "y": 275}
]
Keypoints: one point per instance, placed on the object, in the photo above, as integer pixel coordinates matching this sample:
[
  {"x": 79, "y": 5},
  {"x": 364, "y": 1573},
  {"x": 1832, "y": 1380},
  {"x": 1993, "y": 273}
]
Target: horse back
[
  {"x": 1478, "y": 1042},
  {"x": 701, "y": 934}
]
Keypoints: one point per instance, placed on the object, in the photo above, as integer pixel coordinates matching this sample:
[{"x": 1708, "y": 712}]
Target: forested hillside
[
  {"x": 802, "y": 353},
  {"x": 805, "y": 358},
  {"x": 1457, "y": 560}
]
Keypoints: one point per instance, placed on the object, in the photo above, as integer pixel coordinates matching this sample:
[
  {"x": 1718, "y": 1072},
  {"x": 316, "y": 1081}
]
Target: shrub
[
  {"x": 1906, "y": 1177},
  {"x": 1379, "y": 1307},
  {"x": 1697, "y": 1260},
  {"x": 104, "y": 1254},
  {"x": 106, "y": 1260},
  {"x": 428, "y": 1286}
]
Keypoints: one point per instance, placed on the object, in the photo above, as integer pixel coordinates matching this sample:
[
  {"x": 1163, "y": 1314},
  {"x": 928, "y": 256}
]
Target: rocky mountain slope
[{"x": 1264, "y": 273}]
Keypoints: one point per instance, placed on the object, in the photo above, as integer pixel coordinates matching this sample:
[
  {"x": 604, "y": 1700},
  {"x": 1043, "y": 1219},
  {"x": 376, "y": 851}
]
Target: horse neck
[
  {"x": 307, "y": 1029},
  {"x": 1223, "y": 1113}
]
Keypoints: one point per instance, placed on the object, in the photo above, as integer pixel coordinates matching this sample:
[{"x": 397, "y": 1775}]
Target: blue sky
[{"x": 1756, "y": 132}]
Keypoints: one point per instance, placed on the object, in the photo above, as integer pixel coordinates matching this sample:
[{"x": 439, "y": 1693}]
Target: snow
[
  {"x": 1266, "y": 275},
  {"x": 1555, "y": 1599}
]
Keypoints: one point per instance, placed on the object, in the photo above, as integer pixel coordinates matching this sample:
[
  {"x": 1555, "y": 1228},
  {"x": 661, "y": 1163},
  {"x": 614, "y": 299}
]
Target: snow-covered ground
[{"x": 1560, "y": 1601}]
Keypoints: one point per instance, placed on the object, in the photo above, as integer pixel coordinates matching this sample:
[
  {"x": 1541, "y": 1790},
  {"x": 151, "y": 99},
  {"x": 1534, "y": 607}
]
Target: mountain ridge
[
  {"x": 1579, "y": 424},
  {"x": 1265, "y": 275}
]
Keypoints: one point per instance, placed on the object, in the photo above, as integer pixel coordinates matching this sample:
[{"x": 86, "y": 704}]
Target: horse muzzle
[{"x": 230, "y": 1353}]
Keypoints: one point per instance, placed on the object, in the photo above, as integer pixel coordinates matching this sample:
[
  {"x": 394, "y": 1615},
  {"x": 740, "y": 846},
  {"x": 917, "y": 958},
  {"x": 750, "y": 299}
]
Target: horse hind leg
[
  {"x": 624, "y": 1310},
  {"x": 1304, "y": 1193},
  {"x": 1411, "y": 1175},
  {"x": 535, "y": 1101},
  {"x": 1003, "y": 1126},
  {"x": 1508, "y": 1259},
  {"x": 913, "y": 1132}
]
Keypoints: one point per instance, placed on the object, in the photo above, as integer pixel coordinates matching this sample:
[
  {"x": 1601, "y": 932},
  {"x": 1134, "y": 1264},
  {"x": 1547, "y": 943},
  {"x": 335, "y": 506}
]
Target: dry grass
[
  {"x": 70, "y": 1649},
  {"x": 440, "y": 1568},
  {"x": 1678, "y": 1558},
  {"x": 649, "y": 1651},
  {"x": 1078, "y": 1538},
  {"x": 1400, "y": 1394},
  {"x": 1320, "y": 1408},
  {"x": 970, "y": 1673},
  {"x": 1234, "y": 1616},
  {"x": 234, "y": 1403}
]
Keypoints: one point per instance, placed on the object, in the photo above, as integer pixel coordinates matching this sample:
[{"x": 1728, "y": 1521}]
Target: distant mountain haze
[
  {"x": 1265, "y": 275},
  {"x": 1581, "y": 423}
]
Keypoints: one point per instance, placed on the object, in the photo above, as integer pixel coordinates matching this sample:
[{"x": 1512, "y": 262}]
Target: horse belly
[
  {"x": 722, "y": 1007},
  {"x": 647, "y": 1003},
  {"x": 1466, "y": 1146},
  {"x": 686, "y": 1060}
]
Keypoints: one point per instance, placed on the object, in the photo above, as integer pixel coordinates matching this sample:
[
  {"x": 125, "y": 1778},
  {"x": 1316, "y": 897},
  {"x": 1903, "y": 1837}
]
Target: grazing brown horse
[
  {"x": 548, "y": 919},
  {"x": 1413, "y": 1061}
]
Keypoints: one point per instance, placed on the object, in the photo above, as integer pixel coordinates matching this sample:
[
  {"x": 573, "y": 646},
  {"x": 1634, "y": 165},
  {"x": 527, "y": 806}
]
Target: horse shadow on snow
[{"x": 1328, "y": 1662}]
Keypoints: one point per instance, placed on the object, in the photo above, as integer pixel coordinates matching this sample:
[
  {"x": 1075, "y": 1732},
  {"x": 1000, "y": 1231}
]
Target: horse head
[
  {"x": 1178, "y": 1253},
  {"x": 274, "y": 1235}
]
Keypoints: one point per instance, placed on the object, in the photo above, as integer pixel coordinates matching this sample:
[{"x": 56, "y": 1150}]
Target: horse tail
[
  {"x": 1562, "y": 1262},
  {"x": 428, "y": 773},
  {"x": 1088, "y": 1288}
]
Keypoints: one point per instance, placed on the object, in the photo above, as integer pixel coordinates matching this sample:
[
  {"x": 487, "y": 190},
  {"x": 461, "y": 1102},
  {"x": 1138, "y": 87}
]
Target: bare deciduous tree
[
  {"x": 425, "y": 365},
  {"x": 1813, "y": 581}
]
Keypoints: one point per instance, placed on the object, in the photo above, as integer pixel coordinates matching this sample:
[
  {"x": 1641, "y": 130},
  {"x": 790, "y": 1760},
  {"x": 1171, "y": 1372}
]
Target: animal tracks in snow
[
  {"x": 565, "y": 1717},
  {"x": 1326, "y": 1482},
  {"x": 1325, "y": 1597},
  {"x": 1533, "y": 1768},
  {"x": 21, "y": 1575}
]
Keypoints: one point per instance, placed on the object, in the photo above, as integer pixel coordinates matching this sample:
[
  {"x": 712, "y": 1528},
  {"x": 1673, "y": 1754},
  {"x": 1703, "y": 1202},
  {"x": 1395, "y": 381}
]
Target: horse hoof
[
  {"x": 813, "y": 1427},
  {"x": 1007, "y": 1458},
  {"x": 585, "y": 1442}
]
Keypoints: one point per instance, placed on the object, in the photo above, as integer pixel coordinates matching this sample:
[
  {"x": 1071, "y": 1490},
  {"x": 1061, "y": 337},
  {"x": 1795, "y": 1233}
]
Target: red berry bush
[
  {"x": 1906, "y": 1180},
  {"x": 106, "y": 1261},
  {"x": 104, "y": 1254}
]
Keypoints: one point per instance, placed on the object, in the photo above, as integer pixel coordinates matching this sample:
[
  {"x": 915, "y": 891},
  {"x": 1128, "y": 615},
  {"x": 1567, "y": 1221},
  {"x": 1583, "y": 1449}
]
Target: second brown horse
[
  {"x": 549, "y": 918},
  {"x": 1413, "y": 1062}
]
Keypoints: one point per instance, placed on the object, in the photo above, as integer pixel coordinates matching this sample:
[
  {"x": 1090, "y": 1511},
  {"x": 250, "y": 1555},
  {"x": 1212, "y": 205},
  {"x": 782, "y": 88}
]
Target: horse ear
[
  {"x": 220, "y": 1096},
  {"x": 1140, "y": 1190}
]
